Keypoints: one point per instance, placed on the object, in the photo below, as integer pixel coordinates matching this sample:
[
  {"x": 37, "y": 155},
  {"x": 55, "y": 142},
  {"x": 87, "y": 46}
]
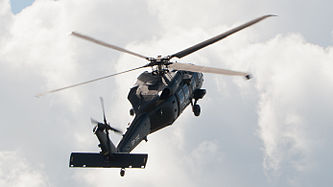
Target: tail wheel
[
  {"x": 122, "y": 172},
  {"x": 196, "y": 110}
]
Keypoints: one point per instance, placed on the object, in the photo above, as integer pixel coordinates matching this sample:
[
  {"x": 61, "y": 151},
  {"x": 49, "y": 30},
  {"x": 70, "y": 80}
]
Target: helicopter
[{"x": 158, "y": 98}]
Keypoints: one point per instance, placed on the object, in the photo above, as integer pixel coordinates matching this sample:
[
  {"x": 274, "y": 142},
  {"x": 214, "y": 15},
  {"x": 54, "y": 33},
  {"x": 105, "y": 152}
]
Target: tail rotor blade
[
  {"x": 103, "y": 109},
  {"x": 96, "y": 123},
  {"x": 115, "y": 130},
  {"x": 93, "y": 121}
]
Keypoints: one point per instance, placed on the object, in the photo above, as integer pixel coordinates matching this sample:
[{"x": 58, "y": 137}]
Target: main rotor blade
[
  {"x": 86, "y": 82},
  {"x": 108, "y": 45},
  {"x": 203, "y": 69},
  {"x": 217, "y": 38}
]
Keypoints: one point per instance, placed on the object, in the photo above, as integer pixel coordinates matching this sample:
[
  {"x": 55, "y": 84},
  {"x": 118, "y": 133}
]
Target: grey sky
[{"x": 271, "y": 131}]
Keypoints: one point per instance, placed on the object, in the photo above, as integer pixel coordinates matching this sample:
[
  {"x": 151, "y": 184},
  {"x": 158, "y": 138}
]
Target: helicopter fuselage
[
  {"x": 157, "y": 102},
  {"x": 158, "y": 98}
]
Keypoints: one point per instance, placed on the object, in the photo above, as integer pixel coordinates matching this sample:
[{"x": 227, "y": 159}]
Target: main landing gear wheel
[
  {"x": 122, "y": 172},
  {"x": 197, "y": 94},
  {"x": 196, "y": 109}
]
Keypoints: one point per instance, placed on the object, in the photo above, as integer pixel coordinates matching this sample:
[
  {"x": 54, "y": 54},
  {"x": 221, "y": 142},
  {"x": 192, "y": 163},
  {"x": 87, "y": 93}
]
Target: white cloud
[
  {"x": 294, "y": 87},
  {"x": 15, "y": 170}
]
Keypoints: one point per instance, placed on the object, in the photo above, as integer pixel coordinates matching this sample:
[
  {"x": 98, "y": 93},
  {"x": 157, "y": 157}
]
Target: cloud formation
[
  {"x": 294, "y": 105},
  {"x": 19, "y": 172}
]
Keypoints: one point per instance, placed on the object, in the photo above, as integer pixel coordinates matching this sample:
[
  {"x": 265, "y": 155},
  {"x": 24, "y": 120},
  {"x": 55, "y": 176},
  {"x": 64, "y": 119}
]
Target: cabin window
[
  {"x": 193, "y": 84},
  {"x": 180, "y": 96},
  {"x": 195, "y": 78},
  {"x": 186, "y": 91}
]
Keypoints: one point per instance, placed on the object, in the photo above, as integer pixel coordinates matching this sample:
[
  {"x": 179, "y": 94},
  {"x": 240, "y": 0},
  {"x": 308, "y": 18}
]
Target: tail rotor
[{"x": 105, "y": 125}]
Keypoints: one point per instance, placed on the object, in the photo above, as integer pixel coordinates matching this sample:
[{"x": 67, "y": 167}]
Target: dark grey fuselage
[{"x": 157, "y": 102}]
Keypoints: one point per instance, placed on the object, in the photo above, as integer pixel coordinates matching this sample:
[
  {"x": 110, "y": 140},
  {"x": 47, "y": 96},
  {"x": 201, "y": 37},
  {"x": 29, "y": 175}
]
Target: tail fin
[
  {"x": 106, "y": 144},
  {"x": 102, "y": 132}
]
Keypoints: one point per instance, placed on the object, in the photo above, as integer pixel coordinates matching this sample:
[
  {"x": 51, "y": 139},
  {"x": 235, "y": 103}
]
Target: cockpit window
[
  {"x": 148, "y": 78},
  {"x": 199, "y": 76}
]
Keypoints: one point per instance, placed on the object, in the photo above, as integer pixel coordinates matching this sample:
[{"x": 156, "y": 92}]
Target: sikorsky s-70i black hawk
[{"x": 157, "y": 98}]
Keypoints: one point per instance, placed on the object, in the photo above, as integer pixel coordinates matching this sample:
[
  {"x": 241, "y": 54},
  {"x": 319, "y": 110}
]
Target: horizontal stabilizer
[{"x": 117, "y": 160}]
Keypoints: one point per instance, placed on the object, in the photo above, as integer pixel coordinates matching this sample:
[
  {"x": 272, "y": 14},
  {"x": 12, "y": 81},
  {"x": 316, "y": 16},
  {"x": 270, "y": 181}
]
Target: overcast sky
[{"x": 274, "y": 130}]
